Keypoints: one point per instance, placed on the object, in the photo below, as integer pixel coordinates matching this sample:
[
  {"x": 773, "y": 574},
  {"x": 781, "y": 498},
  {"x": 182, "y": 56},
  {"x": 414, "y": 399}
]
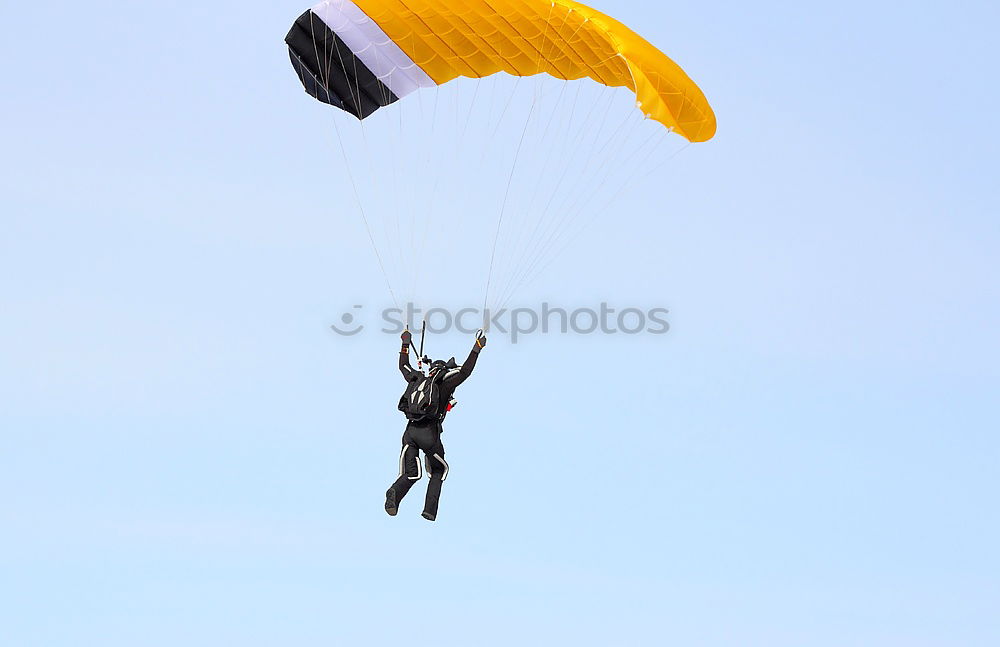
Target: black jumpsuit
[{"x": 426, "y": 436}]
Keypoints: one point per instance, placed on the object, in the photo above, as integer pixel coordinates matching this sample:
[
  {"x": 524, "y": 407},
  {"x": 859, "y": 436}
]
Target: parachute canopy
[{"x": 362, "y": 55}]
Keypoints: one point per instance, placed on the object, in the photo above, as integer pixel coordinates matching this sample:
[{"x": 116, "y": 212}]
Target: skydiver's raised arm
[
  {"x": 466, "y": 369},
  {"x": 404, "y": 356}
]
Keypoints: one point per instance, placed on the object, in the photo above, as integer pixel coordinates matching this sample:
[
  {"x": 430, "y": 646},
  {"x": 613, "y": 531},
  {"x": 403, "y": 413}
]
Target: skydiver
[{"x": 427, "y": 401}]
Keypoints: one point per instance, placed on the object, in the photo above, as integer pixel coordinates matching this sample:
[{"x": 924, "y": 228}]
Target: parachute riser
[{"x": 420, "y": 353}]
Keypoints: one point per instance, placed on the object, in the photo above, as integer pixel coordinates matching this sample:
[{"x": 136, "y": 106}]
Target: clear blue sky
[{"x": 189, "y": 456}]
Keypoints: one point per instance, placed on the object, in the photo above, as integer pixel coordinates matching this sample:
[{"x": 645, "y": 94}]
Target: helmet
[{"x": 439, "y": 365}]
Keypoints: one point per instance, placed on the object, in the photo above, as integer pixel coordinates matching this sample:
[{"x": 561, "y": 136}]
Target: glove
[
  {"x": 407, "y": 337},
  {"x": 480, "y": 341}
]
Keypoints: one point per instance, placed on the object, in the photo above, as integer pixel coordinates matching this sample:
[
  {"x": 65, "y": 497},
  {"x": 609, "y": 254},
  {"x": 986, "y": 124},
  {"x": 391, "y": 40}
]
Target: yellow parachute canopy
[{"x": 434, "y": 41}]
